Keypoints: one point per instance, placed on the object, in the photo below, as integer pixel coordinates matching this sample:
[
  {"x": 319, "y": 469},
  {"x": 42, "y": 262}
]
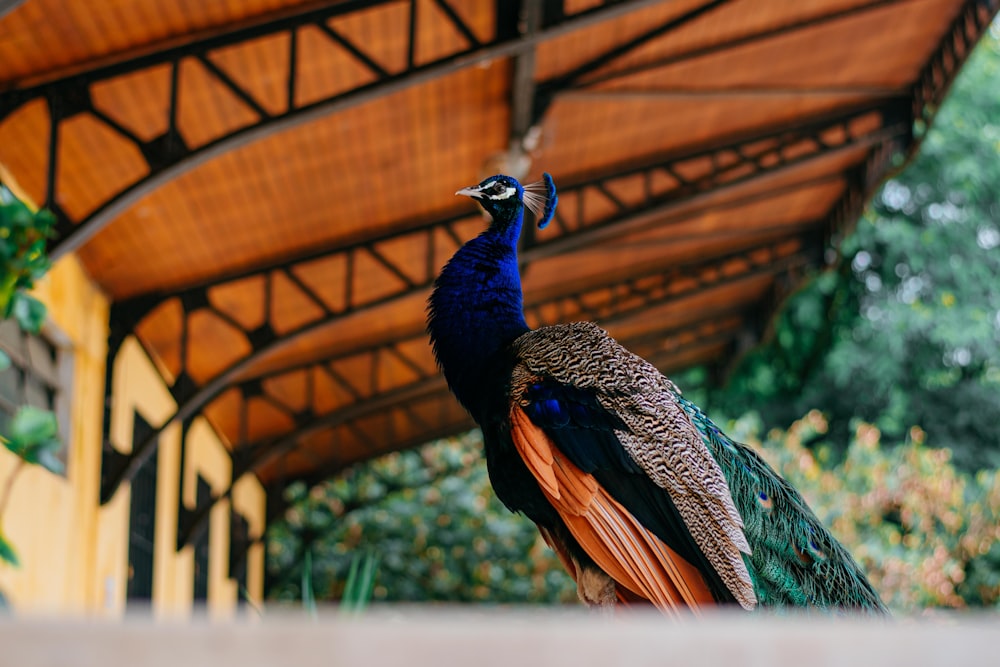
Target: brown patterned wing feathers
[
  {"x": 654, "y": 431},
  {"x": 634, "y": 557}
]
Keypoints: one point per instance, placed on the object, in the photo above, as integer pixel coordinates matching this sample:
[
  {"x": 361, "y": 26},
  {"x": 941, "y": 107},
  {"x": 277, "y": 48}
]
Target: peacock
[{"x": 642, "y": 497}]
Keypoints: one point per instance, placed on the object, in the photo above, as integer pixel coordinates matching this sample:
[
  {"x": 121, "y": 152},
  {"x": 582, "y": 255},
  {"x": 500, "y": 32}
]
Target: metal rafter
[
  {"x": 939, "y": 73},
  {"x": 325, "y": 471},
  {"x": 547, "y": 89},
  {"x": 167, "y": 156},
  {"x": 733, "y": 156},
  {"x": 770, "y": 152},
  {"x": 605, "y": 304},
  {"x": 8, "y": 5},
  {"x": 522, "y": 102}
]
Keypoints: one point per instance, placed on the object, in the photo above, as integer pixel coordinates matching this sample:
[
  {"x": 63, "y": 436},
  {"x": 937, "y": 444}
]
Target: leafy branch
[{"x": 33, "y": 435}]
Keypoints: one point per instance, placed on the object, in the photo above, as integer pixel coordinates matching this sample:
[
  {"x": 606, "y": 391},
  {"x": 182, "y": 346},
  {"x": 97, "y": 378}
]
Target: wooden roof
[{"x": 264, "y": 188}]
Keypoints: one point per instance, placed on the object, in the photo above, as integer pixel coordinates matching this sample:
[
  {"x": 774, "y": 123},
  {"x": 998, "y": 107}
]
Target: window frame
[{"x": 59, "y": 381}]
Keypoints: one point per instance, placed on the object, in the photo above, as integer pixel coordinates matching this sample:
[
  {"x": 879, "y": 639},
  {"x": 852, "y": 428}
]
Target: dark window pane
[
  {"x": 142, "y": 522},
  {"x": 35, "y": 377},
  {"x": 37, "y": 394},
  {"x": 42, "y": 357},
  {"x": 201, "y": 544},
  {"x": 10, "y": 385}
]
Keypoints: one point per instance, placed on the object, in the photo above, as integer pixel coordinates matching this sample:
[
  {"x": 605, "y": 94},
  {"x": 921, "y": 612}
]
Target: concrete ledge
[{"x": 418, "y": 636}]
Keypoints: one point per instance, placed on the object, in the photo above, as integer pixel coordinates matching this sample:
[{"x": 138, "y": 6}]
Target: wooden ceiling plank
[{"x": 758, "y": 36}]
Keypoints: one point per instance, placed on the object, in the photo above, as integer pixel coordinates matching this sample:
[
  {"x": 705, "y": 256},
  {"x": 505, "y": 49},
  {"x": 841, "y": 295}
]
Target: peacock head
[{"x": 503, "y": 198}]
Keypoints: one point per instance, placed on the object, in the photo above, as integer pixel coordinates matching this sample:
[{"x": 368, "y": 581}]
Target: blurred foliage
[
  {"x": 906, "y": 329},
  {"x": 23, "y": 259},
  {"x": 927, "y": 533},
  {"x": 33, "y": 435},
  {"x": 431, "y": 517}
]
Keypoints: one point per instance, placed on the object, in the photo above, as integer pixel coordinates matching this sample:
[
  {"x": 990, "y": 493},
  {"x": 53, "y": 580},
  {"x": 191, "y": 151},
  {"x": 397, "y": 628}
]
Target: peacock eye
[{"x": 498, "y": 188}]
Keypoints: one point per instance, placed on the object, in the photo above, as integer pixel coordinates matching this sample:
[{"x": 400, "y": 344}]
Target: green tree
[
  {"x": 906, "y": 330},
  {"x": 927, "y": 533}
]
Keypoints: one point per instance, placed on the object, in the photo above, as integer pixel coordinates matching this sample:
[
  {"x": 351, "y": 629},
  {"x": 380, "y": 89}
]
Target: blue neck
[{"x": 476, "y": 308}]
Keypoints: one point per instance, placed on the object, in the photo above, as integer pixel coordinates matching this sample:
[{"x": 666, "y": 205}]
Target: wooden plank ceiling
[{"x": 264, "y": 187}]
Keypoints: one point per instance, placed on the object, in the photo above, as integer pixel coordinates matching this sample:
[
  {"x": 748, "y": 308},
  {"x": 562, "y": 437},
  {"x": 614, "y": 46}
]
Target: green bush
[
  {"x": 926, "y": 532},
  {"x": 432, "y": 518}
]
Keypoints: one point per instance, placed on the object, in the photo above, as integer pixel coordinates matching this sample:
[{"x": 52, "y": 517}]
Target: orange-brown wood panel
[
  {"x": 315, "y": 184},
  {"x": 45, "y": 38}
]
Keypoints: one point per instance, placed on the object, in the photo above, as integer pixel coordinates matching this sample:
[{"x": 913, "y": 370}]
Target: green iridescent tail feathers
[{"x": 783, "y": 531}]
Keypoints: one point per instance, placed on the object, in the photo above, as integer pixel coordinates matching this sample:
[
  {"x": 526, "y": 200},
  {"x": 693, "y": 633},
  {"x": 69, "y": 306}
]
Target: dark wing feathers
[{"x": 582, "y": 428}]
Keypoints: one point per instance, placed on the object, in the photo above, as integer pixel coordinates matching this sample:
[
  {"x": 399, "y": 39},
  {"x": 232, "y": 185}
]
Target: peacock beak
[{"x": 471, "y": 191}]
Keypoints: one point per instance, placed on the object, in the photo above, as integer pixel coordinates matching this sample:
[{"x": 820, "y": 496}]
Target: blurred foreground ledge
[{"x": 415, "y": 636}]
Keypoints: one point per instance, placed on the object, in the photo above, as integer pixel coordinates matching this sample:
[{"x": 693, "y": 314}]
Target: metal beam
[
  {"x": 938, "y": 74},
  {"x": 638, "y": 293},
  {"x": 631, "y": 296},
  {"x": 130, "y": 312},
  {"x": 332, "y": 468},
  {"x": 548, "y": 89},
  {"x": 732, "y": 93},
  {"x": 8, "y": 5},
  {"x": 522, "y": 104}
]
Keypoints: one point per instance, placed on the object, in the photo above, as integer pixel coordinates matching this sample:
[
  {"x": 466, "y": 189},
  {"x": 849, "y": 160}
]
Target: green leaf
[
  {"x": 17, "y": 215},
  {"x": 33, "y": 427},
  {"x": 45, "y": 221},
  {"x": 7, "y": 553},
  {"x": 29, "y": 312},
  {"x": 360, "y": 582},
  {"x": 308, "y": 597}
]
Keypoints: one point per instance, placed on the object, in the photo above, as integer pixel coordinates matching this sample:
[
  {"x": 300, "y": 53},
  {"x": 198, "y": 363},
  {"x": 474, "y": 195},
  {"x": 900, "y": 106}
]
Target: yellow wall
[
  {"x": 250, "y": 500},
  {"x": 52, "y": 521},
  {"x": 74, "y": 552},
  {"x": 138, "y": 387}
]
